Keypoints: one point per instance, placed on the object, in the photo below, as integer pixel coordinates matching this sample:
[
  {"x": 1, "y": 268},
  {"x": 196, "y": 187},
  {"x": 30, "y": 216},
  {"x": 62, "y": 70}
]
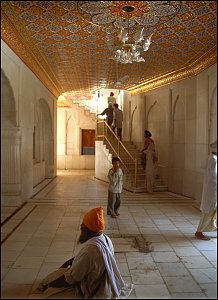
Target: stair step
[
  {"x": 130, "y": 165},
  {"x": 141, "y": 189},
  {"x": 142, "y": 180}
]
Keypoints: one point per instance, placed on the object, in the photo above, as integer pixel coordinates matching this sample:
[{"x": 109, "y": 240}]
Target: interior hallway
[{"x": 153, "y": 238}]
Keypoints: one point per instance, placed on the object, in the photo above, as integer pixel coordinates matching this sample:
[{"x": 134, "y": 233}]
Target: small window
[{"x": 88, "y": 142}]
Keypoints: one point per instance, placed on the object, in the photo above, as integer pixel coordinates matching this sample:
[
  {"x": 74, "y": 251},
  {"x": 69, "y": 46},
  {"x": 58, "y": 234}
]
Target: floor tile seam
[
  {"x": 198, "y": 283},
  {"x": 209, "y": 261},
  {"x": 165, "y": 284},
  {"x": 177, "y": 195},
  {"x": 95, "y": 179},
  {"x": 81, "y": 189},
  {"x": 20, "y": 213},
  {"x": 91, "y": 204},
  {"x": 122, "y": 198},
  {"x": 44, "y": 256},
  {"x": 16, "y": 227},
  {"x": 6, "y": 215},
  {"x": 171, "y": 293},
  {"x": 42, "y": 189},
  {"x": 73, "y": 205},
  {"x": 105, "y": 199},
  {"x": 12, "y": 222},
  {"x": 49, "y": 186},
  {"x": 212, "y": 280},
  {"x": 14, "y": 212},
  {"x": 41, "y": 185}
]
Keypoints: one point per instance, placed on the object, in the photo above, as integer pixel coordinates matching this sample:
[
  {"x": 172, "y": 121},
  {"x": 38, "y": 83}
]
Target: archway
[
  {"x": 10, "y": 146},
  {"x": 43, "y": 155}
]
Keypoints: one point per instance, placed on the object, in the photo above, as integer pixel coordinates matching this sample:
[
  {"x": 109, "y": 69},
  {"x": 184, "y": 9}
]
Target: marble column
[{"x": 10, "y": 166}]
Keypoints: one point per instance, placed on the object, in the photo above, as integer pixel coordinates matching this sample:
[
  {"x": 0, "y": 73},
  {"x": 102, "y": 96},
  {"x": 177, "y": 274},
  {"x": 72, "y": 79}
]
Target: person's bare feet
[
  {"x": 113, "y": 216},
  {"x": 201, "y": 236}
]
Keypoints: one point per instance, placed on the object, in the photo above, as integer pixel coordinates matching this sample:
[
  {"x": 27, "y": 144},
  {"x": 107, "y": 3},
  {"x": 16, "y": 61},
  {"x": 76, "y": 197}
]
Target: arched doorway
[
  {"x": 10, "y": 146},
  {"x": 43, "y": 144}
]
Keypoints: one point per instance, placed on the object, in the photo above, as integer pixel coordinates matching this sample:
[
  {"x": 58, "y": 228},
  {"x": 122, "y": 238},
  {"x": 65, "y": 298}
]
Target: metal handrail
[{"x": 119, "y": 147}]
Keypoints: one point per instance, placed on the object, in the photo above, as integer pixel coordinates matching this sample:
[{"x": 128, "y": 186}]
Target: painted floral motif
[
  {"x": 39, "y": 36},
  {"x": 45, "y": 4},
  {"x": 53, "y": 28},
  {"x": 68, "y": 5},
  {"x": 91, "y": 28},
  {"x": 34, "y": 27},
  {"x": 21, "y": 4},
  {"x": 49, "y": 16},
  {"x": 73, "y": 28},
  {"x": 26, "y": 15},
  {"x": 69, "y": 17}
]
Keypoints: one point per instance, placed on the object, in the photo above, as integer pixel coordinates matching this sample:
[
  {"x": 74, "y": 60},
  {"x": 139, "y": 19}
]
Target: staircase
[
  {"x": 88, "y": 111},
  {"x": 140, "y": 174},
  {"x": 134, "y": 174}
]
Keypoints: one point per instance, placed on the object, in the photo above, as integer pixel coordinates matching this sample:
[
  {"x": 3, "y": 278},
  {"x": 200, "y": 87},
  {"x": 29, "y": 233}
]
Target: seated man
[{"x": 93, "y": 272}]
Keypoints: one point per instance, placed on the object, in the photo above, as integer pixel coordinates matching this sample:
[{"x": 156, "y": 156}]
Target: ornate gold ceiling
[{"x": 67, "y": 52}]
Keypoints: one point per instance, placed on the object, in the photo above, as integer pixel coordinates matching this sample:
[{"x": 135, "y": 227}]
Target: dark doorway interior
[{"x": 88, "y": 142}]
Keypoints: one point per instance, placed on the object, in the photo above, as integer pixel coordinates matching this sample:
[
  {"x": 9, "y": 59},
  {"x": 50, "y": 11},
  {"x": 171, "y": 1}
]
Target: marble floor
[{"x": 153, "y": 237}]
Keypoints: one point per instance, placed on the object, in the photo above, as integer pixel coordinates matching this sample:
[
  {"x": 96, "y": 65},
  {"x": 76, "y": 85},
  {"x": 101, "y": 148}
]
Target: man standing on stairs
[
  {"x": 117, "y": 120},
  {"x": 109, "y": 114},
  {"x": 115, "y": 176},
  {"x": 111, "y": 98}
]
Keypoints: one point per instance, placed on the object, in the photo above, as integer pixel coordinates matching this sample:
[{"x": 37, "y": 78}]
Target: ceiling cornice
[
  {"x": 32, "y": 59},
  {"x": 75, "y": 58},
  {"x": 194, "y": 68}
]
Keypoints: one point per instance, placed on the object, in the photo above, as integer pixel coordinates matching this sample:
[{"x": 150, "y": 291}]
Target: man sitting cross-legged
[{"x": 93, "y": 272}]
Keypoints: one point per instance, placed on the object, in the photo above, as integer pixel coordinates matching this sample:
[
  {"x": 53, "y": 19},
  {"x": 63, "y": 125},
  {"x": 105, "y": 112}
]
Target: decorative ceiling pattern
[{"x": 65, "y": 42}]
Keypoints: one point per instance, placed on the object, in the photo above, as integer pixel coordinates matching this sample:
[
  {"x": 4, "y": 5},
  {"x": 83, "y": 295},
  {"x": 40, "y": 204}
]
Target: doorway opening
[{"x": 88, "y": 142}]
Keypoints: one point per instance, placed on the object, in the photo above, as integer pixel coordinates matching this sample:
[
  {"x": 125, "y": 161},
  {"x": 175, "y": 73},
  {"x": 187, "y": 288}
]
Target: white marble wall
[
  {"x": 10, "y": 165},
  {"x": 76, "y": 162},
  {"x": 69, "y": 138},
  {"x": 103, "y": 161},
  {"x": 27, "y": 90},
  {"x": 182, "y": 118}
]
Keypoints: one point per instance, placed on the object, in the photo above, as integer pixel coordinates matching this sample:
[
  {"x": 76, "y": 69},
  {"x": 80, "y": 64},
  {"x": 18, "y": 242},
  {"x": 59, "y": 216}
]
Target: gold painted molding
[
  {"x": 22, "y": 48},
  {"x": 194, "y": 68}
]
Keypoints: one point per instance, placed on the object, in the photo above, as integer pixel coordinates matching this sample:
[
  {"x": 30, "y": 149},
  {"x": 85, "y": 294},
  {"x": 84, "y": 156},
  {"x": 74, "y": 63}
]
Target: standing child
[{"x": 115, "y": 176}]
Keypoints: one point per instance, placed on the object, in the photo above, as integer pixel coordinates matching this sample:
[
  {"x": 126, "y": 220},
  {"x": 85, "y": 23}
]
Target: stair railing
[
  {"x": 108, "y": 136},
  {"x": 85, "y": 105}
]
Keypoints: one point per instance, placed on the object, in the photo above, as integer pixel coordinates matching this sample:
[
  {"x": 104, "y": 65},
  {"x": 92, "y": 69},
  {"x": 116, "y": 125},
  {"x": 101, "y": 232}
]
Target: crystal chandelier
[
  {"x": 129, "y": 48},
  {"x": 136, "y": 22}
]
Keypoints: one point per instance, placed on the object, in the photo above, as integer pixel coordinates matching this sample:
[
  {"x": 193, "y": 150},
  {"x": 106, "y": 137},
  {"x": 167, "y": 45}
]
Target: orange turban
[{"x": 94, "y": 219}]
